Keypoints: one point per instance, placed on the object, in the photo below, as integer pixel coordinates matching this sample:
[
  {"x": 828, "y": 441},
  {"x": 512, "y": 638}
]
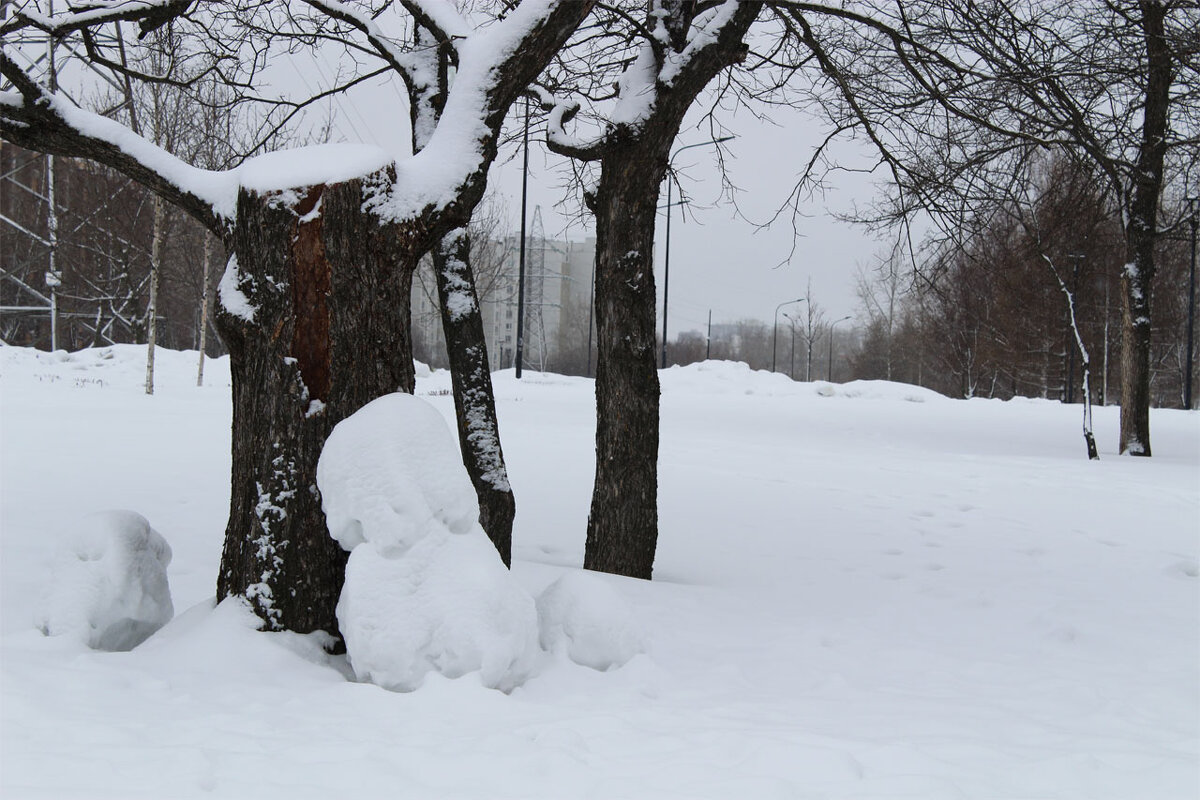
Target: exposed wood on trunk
[
  {"x": 310, "y": 337},
  {"x": 278, "y": 553}
]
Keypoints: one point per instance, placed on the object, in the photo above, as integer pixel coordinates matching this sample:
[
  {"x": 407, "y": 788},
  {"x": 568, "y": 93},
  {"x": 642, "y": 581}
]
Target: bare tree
[
  {"x": 880, "y": 292},
  {"x": 811, "y": 324},
  {"x": 666, "y": 58},
  {"x": 314, "y": 301},
  {"x": 953, "y": 94}
]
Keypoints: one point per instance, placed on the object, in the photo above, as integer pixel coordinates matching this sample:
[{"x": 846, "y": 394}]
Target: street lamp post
[
  {"x": 521, "y": 256},
  {"x": 792, "y": 357},
  {"x": 775, "y": 327},
  {"x": 591, "y": 320},
  {"x": 829, "y": 377},
  {"x": 667, "y": 250},
  {"x": 1187, "y": 391}
]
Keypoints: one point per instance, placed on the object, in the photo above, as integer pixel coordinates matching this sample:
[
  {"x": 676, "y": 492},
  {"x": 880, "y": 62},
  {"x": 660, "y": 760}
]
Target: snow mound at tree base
[
  {"x": 581, "y": 615},
  {"x": 425, "y": 589},
  {"x": 109, "y": 588},
  {"x": 448, "y": 606}
]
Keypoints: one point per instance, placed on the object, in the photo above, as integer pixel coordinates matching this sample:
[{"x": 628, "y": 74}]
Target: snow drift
[
  {"x": 855, "y": 597},
  {"x": 109, "y": 588},
  {"x": 589, "y": 621}
]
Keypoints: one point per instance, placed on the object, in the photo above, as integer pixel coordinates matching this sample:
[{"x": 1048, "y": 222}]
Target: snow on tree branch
[
  {"x": 33, "y": 117},
  {"x": 149, "y": 14},
  {"x": 678, "y": 45},
  {"x": 496, "y": 64}
]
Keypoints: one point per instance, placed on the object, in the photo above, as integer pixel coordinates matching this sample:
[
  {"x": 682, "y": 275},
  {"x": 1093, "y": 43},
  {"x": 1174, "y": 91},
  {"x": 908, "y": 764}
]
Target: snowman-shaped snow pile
[{"x": 425, "y": 589}]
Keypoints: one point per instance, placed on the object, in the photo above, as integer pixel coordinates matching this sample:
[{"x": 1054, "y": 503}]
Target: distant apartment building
[{"x": 558, "y": 284}]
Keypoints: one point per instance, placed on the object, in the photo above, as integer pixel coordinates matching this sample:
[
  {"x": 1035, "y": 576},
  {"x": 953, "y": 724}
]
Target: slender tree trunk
[
  {"x": 204, "y": 281},
  {"x": 622, "y": 531},
  {"x": 1141, "y": 224},
  {"x": 1085, "y": 361},
  {"x": 156, "y": 243},
  {"x": 315, "y": 312},
  {"x": 474, "y": 401}
]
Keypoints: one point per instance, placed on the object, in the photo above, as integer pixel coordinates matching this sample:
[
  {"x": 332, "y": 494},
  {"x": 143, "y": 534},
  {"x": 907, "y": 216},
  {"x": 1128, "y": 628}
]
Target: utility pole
[
  {"x": 1187, "y": 390},
  {"x": 53, "y": 275},
  {"x": 792, "y": 364},
  {"x": 1104, "y": 381},
  {"x": 521, "y": 262},
  {"x": 667, "y": 266},
  {"x": 591, "y": 313}
]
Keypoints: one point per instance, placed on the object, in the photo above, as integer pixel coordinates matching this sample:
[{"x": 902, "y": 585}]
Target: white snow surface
[
  {"x": 855, "y": 596},
  {"x": 583, "y": 617},
  {"x": 230, "y": 294},
  {"x": 109, "y": 585},
  {"x": 425, "y": 589},
  {"x": 447, "y": 606},
  {"x": 390, "y": 474}
]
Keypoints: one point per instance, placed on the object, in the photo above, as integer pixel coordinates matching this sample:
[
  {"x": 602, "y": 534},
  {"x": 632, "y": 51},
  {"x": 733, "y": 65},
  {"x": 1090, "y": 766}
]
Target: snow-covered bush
[
  {"x": 109, "y": 587},
  {"x": 425, "y": 589},
  {"x": 585, "y": 617}
]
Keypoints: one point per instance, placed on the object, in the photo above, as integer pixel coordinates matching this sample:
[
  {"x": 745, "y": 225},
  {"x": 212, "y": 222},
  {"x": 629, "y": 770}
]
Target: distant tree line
[
  {"x": 977, "y": 318},
  {"x": 105, "y": 228},
  {"x": 980, "y": 314}
]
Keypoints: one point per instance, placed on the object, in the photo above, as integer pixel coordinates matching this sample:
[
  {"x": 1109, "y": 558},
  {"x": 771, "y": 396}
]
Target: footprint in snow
[{"x": 1184, "y": 570}]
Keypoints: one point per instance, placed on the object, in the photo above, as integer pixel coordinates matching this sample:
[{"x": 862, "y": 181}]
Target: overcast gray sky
[{"x": 719, "y": 260}]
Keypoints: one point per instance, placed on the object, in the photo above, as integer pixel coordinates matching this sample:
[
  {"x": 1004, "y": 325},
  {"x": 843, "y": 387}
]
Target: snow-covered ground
[{"x": 862, "y": 591}]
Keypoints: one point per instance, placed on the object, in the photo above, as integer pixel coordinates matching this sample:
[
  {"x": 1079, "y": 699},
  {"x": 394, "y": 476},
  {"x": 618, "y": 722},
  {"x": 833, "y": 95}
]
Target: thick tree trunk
[
  {"x": 623, "y": 526},
  {"x": 1141, "y": 226},
  {"x": 1135, "y": 358},
  {"x": 474, "y": 401},
  {"x": 315, "y": 312}
]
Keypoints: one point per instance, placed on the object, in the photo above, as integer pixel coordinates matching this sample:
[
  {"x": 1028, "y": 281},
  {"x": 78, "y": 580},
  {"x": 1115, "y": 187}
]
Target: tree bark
[
  {"x": 1141, "y": 224},
  {"x": 152, "y": 306},
  {"x": 474, "y": 400},
  {"x": 622, "y": 533},
  {"x": 329, "y": 288},
  {"x": 204, "y": 282},
  {"x": 1135, "y": 355}
]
